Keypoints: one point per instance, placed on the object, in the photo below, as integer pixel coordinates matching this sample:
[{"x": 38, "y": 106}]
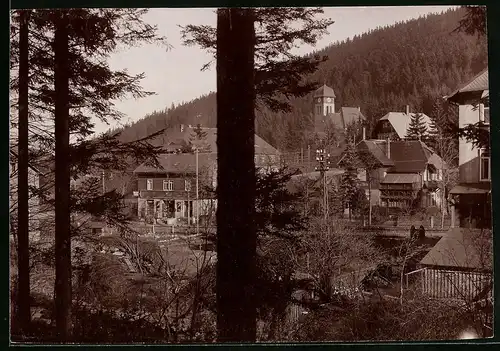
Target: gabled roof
[
  {"x": 401, "y": 120},
  {"x": 346, "y": 116},
  {"x": 478, "y": 84},
  {"x": 376, "y": 149},
  {"x": 324, "y": 91},
  {"x": 410, "y": 156},
  {"x": 179, "y": 163},
  {"x": 463, "y": 248},
  {"x": 406, "y": 156},
  {"x": 175, "y": 136}
]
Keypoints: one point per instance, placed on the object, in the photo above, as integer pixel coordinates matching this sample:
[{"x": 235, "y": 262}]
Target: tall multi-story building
[{"x": 471, "y": 198}]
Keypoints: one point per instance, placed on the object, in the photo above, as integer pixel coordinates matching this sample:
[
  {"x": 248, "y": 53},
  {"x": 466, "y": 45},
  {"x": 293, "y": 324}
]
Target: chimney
[
  {"x": 364, "y": 133},
  {"x": 389, "y": 148},
  {"x": 182, "y": 128},
  {"x": 407, "y": 109}
]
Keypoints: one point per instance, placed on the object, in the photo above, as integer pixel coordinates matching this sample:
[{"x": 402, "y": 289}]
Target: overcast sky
[{"x": 175, "y": 74}]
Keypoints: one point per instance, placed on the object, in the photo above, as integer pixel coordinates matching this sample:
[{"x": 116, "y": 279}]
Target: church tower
[
  {"x": 324, "y": 107},
  {"x": 324, "y": 101}
]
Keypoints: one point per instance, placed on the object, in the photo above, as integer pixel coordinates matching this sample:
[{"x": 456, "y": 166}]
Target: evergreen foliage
[
  {"x": 474, "y": 21},
  {"x": 278, "y": 72},
  {"x": 412, "y": 62},
  {"x": 417, "y": 129},
  {"x": 70, "y": 82},
  {"x": 349, "y": 184}
]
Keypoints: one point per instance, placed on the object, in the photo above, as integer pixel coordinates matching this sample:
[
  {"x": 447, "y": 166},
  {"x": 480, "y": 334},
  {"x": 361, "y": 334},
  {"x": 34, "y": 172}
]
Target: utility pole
[
  {"x": 104, "y": 192},
  {"x": 188, "y": 207},
  {"x": 322, "y": 168},
  {"x": 197, "y": 197},
  {"x": 103, "y": 183}
]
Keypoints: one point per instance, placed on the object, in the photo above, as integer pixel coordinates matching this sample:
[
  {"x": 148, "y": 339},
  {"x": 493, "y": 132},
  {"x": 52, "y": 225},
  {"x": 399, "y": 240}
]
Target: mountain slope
[{"x": 409, "y": 63}]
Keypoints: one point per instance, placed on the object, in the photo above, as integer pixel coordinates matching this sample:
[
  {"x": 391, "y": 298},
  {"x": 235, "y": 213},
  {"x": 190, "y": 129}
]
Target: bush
[
  {"x": 384, "y": 320},
  {"x": 379, "y": 215}
]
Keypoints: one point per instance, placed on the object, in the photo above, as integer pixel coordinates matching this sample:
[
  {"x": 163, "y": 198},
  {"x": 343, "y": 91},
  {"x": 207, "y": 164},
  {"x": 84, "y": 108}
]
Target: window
[
  {"x": 168, "y": 185},
  {"x": 485, "y": 166},
  {"x": 149, "y": 184},
  {"x": 187, "y": 185},
  {"x": 487, "y": 114}
]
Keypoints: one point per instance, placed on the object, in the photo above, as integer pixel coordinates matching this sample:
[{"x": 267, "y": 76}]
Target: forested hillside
[{"x": 410, "y": 63}]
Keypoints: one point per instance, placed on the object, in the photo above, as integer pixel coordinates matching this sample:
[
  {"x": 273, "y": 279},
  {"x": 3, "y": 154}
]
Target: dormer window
[
  {"x": 187, "y": 185},
  {"x": 485, "y": 166},
  {"x": 149, "y": 184}
]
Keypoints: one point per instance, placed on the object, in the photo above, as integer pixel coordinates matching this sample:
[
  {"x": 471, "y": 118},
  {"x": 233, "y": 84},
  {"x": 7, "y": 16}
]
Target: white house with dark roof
[
  {"x": 394, "y": 125},
  {"x": 471, "y": 198}
]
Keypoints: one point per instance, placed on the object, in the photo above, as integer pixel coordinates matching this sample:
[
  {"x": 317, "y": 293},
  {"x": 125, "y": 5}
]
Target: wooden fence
[{"x": 450, "y": 284}]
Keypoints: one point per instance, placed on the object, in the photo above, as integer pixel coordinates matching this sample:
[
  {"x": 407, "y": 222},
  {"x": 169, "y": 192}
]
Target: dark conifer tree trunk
[
  {"x": 62, "y": 180},
  {"x": 236, "y": 234},
  {"x": 23, "y": 265}
]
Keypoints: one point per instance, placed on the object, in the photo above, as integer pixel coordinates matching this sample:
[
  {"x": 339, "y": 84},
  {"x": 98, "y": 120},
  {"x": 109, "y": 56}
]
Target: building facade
[
  {"x": 169, "y": 193},
  {"x": 394, "y": 125},
  {"x": 401, "y": 174},
  {"x": 471, "y": 198}
]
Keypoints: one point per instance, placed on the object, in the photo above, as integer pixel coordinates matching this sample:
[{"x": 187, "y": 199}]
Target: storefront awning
[{"x": 471, "y": 189}]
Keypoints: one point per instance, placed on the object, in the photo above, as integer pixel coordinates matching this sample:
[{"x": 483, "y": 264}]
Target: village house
[
  {"x": 394, "y": 125},
  {"x": 169, "y": 192},
  {"x": 400, "y": 174},
  {"x": 471, "y": 198}
]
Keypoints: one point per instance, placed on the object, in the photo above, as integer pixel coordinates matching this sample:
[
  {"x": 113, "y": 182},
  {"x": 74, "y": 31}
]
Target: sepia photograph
[{"x": 249, "y": 175}]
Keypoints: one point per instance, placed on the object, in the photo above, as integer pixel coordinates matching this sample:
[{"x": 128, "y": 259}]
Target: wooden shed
[{"x": 459, "y": 266}]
